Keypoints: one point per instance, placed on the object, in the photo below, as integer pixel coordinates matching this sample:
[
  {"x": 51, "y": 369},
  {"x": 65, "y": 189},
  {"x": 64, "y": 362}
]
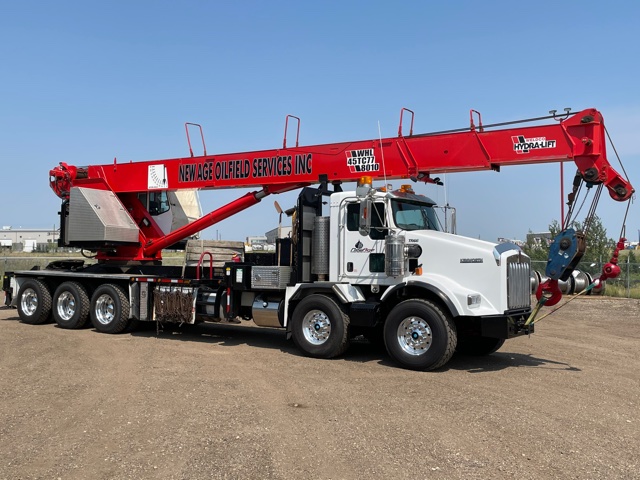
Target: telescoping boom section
[{"x": 580, "y": 137}]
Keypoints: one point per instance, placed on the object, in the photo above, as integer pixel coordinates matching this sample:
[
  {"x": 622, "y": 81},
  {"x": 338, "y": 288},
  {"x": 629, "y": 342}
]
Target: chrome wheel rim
[
  {"x": 105, "y": 309},
  {"x": 316, "y": 327},
  {"x": 29, "y": 301},
  {"x": 414, "y": 336},
  {"x": 66, "y": 306}
]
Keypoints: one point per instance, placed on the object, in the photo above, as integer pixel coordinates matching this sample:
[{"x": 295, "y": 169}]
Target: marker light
[
  {"x": 473, "y": 301},
  {"x": 364, "y": 187},
  {"x": 365, "y": 181}
]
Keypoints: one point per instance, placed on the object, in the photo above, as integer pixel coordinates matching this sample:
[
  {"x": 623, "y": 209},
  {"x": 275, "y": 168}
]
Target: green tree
[
  {"x": 632, "y": 257},
  {"x": 540, "y": 251},
  {"x": 599, "y": 246},
  {"x": 536, "y": 251}
]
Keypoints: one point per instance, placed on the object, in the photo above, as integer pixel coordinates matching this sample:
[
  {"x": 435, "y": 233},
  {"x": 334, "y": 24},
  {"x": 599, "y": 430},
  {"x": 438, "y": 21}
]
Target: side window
[
  {"x": 353, "y": 214},
  {"x": 158, "y": 202},
  {"x": 378, "y": 230},
  {"x": 376, "y": 262}
]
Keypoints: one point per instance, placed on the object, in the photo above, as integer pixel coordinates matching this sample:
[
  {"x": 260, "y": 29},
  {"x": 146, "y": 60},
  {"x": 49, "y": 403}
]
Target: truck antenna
[{"x": 384, "y": 170}]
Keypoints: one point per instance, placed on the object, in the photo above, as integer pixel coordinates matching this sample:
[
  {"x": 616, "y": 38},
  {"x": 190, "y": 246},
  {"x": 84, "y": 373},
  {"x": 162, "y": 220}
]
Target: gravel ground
[{"x": 234, "y": 402}]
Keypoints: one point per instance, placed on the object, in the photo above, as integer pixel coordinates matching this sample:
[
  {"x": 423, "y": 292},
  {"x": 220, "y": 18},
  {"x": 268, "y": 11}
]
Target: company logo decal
[
  {"x": 360, "y": 248},
  {"x": 362, "y": 160},
  {"x": 521, "y": 144},
  {"x": 242, "y": 168}
]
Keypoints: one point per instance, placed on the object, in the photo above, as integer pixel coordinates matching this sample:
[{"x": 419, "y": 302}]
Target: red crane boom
[{"x": 580, "y": 137}]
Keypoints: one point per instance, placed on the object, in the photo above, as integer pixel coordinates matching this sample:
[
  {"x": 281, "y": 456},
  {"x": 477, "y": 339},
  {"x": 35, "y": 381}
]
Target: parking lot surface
[{"x": 236, "y": 401}]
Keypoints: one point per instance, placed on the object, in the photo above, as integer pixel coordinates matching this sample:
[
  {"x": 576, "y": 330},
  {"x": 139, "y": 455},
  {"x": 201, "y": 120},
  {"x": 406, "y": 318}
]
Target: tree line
[{"x": 599, "y": 246}]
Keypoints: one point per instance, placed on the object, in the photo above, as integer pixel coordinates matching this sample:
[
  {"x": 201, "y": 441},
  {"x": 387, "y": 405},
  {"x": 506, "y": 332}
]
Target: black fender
[{"x": 304, "y": 290}]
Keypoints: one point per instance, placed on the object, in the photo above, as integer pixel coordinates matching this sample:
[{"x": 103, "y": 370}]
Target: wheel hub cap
[
  {"x": 29, "y": 301},
  {"x": 316, "y": 327},
  {"x": 66, "y": 306},
  {"x": 105, "y": 309},
  {"x": 414, "y": 336}
]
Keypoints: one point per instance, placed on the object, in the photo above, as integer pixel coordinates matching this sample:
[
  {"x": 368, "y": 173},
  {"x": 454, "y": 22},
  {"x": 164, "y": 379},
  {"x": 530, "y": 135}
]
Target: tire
[
  {"x": 419, "y": 335},
  {"x": 34, "y": 302},
  {"x": 109, "y": 309},
  {"x": 71, "y": 305},
  {"x": 478, "y": 346},
  {"x": 319, "y": 327}
]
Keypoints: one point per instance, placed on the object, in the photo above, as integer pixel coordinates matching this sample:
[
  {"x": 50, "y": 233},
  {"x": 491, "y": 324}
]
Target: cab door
[
  {"x": 158, "y": 206},
  {"x": 362, "y": 259}
]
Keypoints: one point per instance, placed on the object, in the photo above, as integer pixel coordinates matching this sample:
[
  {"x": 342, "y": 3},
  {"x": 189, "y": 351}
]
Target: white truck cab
[
  {"x": 382, "y": 267},
  {"x": 401, "y": 231}
]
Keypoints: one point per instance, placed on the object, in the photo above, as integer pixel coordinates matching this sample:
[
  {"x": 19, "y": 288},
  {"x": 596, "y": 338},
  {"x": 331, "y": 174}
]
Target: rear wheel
[
  {"x": 478, "y": 346},
  {"x": 71, "y": 305},
  {"x": 419, "y": 335},
  {"x": 34, "y": 302},
  {"x": 109, "y": 309},
  {"x": 320, "y": 328}
]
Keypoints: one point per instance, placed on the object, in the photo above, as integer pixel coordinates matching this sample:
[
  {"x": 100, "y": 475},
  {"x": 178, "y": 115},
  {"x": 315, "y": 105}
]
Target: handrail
[
  {"x": 402, "y": 110},
  {"x": 200, "y": 265},
  {"x": 204, "y": 147},
  {"x": 286, "y": 126}
]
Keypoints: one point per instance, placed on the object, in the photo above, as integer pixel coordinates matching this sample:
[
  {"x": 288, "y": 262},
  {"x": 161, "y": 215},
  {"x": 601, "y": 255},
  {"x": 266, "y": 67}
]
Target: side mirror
[{"x": 364, "y": 223}]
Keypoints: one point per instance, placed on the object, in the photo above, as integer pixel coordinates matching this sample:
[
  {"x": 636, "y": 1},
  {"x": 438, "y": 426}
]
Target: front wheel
[
  {"x": 109, "y": 309},
  {"x": 419, "y": 335},
  {"x": 319, "y": 327},
  {"x": 34, "y": 302}
]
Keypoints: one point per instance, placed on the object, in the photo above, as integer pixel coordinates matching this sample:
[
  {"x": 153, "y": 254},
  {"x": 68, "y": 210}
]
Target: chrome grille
[{"x": 518, "y": 282}]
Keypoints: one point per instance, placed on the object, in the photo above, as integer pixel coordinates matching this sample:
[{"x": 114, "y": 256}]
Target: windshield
[{"x": 413, "y": 216}]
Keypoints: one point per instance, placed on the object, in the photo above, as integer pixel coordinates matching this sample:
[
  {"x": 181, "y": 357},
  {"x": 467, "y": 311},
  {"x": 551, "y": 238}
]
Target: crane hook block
[
  {"x": 550, "y": 292},
  {"x": 563, "y": 254}
]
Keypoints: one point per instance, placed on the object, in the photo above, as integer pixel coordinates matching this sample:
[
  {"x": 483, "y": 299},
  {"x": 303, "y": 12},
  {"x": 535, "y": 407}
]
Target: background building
[
  {"x": 28, "y": 239},
  {"x": 539, "y": 239}
]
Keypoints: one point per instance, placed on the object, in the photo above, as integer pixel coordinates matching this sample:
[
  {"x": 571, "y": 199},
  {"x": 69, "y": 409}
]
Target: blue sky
[{"x": 84, "y": 82}]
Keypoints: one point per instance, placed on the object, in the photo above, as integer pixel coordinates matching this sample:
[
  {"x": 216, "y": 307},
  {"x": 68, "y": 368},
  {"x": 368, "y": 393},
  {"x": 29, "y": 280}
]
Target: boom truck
[{"x": 370, "y": 261}]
